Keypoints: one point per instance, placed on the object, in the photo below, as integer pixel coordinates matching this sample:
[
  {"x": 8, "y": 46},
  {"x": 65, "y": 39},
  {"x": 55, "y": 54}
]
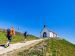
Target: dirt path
[{"x": 16, "y": 47}]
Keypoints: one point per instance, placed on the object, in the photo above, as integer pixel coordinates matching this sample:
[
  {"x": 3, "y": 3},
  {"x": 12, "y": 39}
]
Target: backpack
[
  {"x": 12, "y": 32},
  {"x": 8, "y": 32}
]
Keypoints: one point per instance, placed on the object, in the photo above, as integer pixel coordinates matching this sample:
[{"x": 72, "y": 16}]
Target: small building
[{"x": 47, "y": 33}]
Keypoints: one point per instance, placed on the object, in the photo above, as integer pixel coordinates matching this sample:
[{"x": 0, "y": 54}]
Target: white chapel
[{"x": 47, "y": 33}]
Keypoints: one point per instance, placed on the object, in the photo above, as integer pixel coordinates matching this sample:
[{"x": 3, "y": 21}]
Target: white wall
[
  {"x": 55, "y": 35},
  {"x": 51, "y": 34}
]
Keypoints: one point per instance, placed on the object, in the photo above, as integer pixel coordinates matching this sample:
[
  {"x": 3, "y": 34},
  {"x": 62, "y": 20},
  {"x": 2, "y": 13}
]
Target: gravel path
[{"x": 13, "y": 47}]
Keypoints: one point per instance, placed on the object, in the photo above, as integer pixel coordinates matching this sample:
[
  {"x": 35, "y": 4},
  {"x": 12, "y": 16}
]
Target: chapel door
[{"x": 44, "y": 34}]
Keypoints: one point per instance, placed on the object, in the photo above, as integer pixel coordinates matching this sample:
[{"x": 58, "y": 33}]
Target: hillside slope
[
  {"x": 51, "y": 47},
  {"x": 17, "y": 38},
  {"x": 60, "y": 47}
]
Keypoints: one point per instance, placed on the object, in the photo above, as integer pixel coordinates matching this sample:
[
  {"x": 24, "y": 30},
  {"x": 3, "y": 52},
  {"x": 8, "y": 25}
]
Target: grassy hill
[
  {"x": 59, "y": 47},
  {"x": 17, "y": 38},
  {"x": 51, "y": 47}
]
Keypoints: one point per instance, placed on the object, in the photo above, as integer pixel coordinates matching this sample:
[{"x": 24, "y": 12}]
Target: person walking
[
  {"x": 10, "y": 33},
  {"x": 25, "y": 35}
]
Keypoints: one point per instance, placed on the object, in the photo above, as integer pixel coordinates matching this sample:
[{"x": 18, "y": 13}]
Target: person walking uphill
[
  {"x": 25, "y": 36},
  {"x": 10, "y": 33}
]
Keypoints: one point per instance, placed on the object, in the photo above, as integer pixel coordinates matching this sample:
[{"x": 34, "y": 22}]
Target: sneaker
[{"x": 6, "y": 46}]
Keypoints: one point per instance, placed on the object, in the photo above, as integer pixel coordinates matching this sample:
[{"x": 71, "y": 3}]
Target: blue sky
[{"x": 28, "y": 15}]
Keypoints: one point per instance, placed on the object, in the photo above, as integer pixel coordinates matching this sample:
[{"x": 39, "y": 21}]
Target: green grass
[
  {"x": 17, "y": 38},
  {"x": 58, "y": 47},
  {"x": 51, "y": 47}
]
